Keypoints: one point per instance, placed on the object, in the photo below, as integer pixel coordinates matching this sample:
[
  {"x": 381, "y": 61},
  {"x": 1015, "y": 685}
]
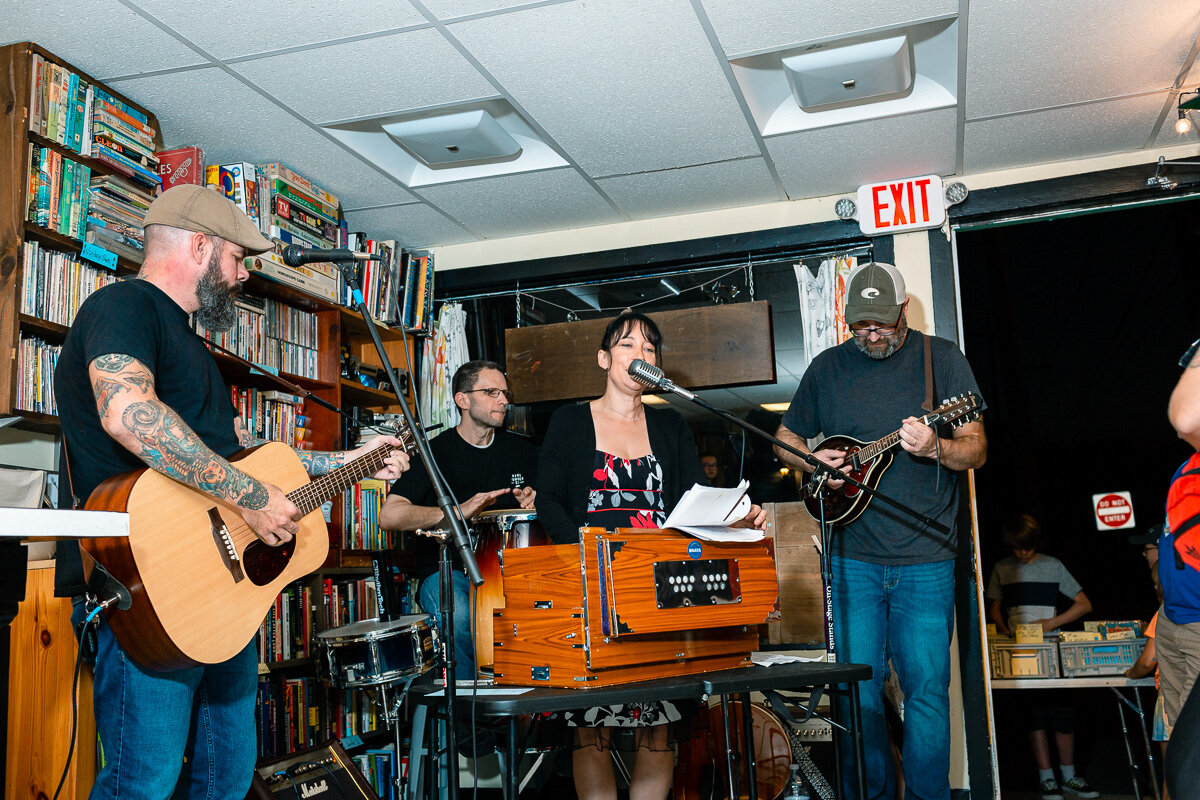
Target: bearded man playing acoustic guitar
[
  {"x": 892, "y": 576},
  {"x": 136, "y": 388}
]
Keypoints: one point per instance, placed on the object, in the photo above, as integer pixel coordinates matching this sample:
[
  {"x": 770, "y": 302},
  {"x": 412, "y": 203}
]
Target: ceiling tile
[
  {"x": 239, "y": 124},
  {"x": 276, "y": 25},
  {"x": 1061, "y": 134},
  {"x": 413, "y": 225},
  {"x": 745, "y": 26},
  {"x": 71, "y": 28},
  {"x": 838, "y": 160},
  {"x": 779, "y": 392},
  {"x": 600, "y": 81},
  {"x": 528, "y": 202},
  {"x": 449, "y": 9},
  {"x": 365, "y": 78},
  {"x": 702, "y": 188},
  {"x": 1025, "y": 56}
]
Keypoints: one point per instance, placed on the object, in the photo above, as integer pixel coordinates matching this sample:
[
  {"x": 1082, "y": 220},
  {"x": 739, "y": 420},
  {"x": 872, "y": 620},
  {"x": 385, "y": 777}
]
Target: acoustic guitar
[
  {"x": 868, "y": 462},
  {"x": 200, "y": 579}
]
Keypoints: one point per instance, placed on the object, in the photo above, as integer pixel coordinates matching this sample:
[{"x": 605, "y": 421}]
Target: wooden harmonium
[{"x": 630, "y": 605}]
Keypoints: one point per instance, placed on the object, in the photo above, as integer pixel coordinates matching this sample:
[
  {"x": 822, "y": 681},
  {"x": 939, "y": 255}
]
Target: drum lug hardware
[
  {"x": 543, "y": 604},
  {"x": 539, "y": 673},
  {"x": 569, "y": 636}
]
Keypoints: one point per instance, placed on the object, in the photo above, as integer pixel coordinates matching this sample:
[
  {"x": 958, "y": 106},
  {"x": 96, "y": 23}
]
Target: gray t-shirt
[
  {"x": 1029, "y": 592},
  {"x": 845, "y": 392}
]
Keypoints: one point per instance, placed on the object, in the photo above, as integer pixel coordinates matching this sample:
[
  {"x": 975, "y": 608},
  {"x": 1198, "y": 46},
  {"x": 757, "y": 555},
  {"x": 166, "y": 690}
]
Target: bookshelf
[{"x": 336, "y": 327}]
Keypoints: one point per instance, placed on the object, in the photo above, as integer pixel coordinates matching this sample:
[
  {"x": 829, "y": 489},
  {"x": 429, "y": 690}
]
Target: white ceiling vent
[
  {"x": 448, "y": 144},
  {"x": 829, "y": 74},
  {"x": 812, "y": 85},
  {"x": 465, "y": 137}
]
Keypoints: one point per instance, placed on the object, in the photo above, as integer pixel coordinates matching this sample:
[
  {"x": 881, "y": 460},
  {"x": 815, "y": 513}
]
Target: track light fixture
[{"x": 1188, "y": 101}]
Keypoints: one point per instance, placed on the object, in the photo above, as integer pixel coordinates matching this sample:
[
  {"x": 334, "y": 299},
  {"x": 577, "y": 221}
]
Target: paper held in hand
[{"x": 707, "y": 512}]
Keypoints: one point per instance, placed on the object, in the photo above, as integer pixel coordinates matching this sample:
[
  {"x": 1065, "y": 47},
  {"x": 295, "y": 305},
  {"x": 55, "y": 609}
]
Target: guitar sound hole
[{"x": 264, "y": 563}]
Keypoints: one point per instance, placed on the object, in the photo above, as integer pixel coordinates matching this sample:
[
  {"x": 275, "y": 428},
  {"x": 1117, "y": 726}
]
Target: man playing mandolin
[
  {"x": 137, "y": 388},
  {"x": 892, "y": 576}
]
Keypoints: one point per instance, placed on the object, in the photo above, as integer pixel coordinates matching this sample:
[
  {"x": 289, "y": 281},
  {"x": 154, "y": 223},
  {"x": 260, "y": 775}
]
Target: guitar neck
[
  {"x": 879, "y": 446},
  {"x": 311, "y": 495}
]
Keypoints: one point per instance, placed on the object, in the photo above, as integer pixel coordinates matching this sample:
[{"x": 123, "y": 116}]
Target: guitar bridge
[{"x": 225, "y": 544}]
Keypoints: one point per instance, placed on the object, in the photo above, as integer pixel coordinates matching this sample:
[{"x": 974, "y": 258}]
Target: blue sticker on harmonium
[
  {"x": 98, "y": 255},
  {"x": 694, "y": 549}
]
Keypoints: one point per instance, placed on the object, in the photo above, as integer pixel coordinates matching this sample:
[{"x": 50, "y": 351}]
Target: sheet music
[{"x": 707, "y": 512}]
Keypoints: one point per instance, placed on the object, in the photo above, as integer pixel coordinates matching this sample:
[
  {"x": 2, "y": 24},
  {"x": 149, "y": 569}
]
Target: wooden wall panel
[
  {"x": 799, "y": 567},
  {"x": 726, "y": 345},
  {"x": 41, "y": 664}
]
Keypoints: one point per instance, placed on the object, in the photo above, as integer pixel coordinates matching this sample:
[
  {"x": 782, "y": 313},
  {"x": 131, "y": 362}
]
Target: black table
[{"x": 738, "y": 682}]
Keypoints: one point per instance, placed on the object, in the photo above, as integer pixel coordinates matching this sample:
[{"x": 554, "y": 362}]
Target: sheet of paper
[
  {"x": 707, "y": 512},
  {"x": 770, "y": 659},
  {"x": 722, "y": 533}
]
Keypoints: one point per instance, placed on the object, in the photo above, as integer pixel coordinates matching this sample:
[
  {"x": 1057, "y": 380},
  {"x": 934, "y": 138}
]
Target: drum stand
[{"x": 391, "y": 717}]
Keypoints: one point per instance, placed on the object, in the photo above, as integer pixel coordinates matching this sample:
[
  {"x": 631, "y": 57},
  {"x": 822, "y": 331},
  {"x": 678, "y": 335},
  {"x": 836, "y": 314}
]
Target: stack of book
[
  {"x": 417, "y": 314},
  {"x": 36, "y": 360},
  {"x": 378, "y": 279},
  {"x": 116, "y": 212},
  {"x": 360, "y": 530},
  {"x": 271, "y": 334},
  {"x": 287, "y": 629},
  {"x": 272, "y": 415},
  {"x": 60, "y": 105},
  {"x": 58, "y": 191},
  {"x": 348, "y": 600},
  {"x": 122, "y": 138},
  {"x": 379, "y": 767},
  {"x": 55, "y": 284}
]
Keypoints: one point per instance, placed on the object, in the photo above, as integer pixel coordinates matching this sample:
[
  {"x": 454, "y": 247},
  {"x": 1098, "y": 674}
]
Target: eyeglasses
[
  {"x": 493, "y": 393},
  {"x": 869, "y": 331},
  {"x": 1189, "y": 354}
]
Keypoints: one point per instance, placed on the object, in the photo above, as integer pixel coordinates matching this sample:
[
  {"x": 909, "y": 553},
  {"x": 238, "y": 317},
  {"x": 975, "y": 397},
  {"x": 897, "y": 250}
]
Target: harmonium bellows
[{"x": 630, "y": 605}]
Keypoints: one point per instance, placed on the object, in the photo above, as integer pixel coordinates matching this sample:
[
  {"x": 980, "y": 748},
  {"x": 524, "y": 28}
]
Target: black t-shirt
[
  {"x": 508, "y": 462},
  {"x": 138, "y": 319},
  {"x": 845, "y": 392}
]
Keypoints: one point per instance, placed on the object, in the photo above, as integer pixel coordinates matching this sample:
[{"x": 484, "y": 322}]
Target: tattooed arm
[
  {"x": 132, "y": 414},
  {"x": 322, "y": 463}
]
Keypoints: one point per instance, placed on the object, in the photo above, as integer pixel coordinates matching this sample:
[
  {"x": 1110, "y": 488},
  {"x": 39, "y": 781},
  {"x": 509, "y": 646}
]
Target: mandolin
[{"x": 868, "y": 462}]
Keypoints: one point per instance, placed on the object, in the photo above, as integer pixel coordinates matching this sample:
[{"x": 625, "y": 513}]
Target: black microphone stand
[{"x": 456, "y": 534}]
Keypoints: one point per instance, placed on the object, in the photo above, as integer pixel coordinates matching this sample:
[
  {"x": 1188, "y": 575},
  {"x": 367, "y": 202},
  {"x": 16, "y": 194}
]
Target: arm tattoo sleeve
[{"x": 320, "y": 463}]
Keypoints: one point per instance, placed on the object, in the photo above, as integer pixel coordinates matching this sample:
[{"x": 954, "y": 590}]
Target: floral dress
[{"x": 625, "y": 494}]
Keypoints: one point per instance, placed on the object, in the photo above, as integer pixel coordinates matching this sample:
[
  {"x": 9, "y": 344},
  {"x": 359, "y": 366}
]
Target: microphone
[
  {"x": 649, "y": 375},
  {"x": 294, "y": 255}
]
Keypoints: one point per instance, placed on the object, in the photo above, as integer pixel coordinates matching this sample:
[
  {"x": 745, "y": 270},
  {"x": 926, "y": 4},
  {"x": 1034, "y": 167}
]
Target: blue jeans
[
  {"x": 150, "y": 722},
  {"x": 464, "y": 638},
  {"x": 905, "y": 613}
]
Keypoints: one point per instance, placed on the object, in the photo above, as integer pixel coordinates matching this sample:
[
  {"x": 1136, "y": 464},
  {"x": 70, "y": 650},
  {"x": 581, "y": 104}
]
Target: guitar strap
[{"x": 928, "y": 404}]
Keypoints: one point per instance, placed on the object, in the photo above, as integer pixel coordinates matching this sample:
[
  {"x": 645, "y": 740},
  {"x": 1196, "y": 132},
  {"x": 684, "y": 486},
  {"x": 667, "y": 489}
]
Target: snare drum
[
  {"x": 505, "y": 529},
  {"x": 371, "y": 653}
]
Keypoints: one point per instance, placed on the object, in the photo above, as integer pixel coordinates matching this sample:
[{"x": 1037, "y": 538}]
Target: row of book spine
[
  {"x": 360, "y": 530},
  {"x": 272, "y": 334},
  {"x": 287, "y": 631},
  {"x": 36, "y": 360},
  {"x": 379, "y": 280},
  {"x": 272, "y": 415},
  {"x": 85, "y": 118},
  {"x": 116, "y": 214},
  {"x": 55, "y": 284},
  {"x": 295, "y": 713},
  {"x": 379, "y": 767},
  {"x": 417, "y": 300},
  {"x": 58, "y": 192}
]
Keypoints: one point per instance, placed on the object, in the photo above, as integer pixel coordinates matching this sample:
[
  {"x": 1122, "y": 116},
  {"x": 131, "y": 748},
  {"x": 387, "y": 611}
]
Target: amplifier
[{"x": 322, "y": 772}]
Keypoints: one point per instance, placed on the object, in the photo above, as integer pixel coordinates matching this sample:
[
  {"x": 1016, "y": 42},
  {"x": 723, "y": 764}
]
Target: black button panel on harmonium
[{"x": 711, "y": 582}]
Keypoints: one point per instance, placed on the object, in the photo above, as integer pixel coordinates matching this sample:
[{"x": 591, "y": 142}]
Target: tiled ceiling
[{"x": 638, "y": 97}]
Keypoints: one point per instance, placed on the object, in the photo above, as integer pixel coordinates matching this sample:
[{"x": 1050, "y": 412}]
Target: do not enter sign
[{"x": 1114, "y": 511}]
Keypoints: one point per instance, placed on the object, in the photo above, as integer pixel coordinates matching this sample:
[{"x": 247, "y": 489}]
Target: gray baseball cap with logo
[
  {"x": 196, "y": 208},
  {"x": 875, "y": 293}
]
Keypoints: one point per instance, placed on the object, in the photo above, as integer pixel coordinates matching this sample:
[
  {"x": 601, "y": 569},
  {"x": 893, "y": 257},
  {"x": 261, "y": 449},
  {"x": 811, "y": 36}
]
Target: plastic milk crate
[
  {"x": 1012, "y": 660},
  {"x": 1106, "y": 657}
]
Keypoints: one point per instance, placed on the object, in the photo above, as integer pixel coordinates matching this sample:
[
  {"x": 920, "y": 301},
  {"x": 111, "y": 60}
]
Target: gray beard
[
  {"x": 217, "y": 312},
  {"x": 893, "y": 343}
]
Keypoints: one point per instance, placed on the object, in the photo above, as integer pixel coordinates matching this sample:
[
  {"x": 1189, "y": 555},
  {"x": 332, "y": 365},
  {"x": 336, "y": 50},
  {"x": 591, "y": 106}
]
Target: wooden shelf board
[
  {"x": 43, "y": 327},
  {"x": 357, "y": 394},
  {"x": 233, "y": 368},
  {"x": 352, "y": 324},
  {"x": 125, "y": 266},
  {"x": 263, "y": 286},
  {"x": 33, "y": 421}
]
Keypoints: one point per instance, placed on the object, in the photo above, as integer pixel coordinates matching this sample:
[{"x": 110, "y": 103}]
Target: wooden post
[{"x": 41, "y": 665}]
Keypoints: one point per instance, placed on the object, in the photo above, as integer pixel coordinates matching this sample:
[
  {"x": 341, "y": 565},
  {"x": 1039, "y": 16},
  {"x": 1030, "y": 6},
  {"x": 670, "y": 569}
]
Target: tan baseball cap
[{"x": 197, "y": 208}]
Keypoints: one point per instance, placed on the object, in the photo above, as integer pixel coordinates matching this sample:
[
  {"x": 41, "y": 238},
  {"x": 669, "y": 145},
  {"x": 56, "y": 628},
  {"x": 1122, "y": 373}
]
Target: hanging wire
[
  {"x": 750, "y": 277},
  {"x": 517, "y": 296}
]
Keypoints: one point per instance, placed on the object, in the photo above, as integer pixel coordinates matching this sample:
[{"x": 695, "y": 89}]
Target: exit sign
[{"x": 911, "y": 204}]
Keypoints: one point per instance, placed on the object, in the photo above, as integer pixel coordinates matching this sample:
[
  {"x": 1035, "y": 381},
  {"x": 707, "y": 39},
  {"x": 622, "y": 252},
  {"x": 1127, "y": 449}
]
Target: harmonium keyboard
[{"x": 630, "y": 605}]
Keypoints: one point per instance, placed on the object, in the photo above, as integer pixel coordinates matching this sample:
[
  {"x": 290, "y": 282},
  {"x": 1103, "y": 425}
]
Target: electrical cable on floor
[{"x": 75, "y": 702}]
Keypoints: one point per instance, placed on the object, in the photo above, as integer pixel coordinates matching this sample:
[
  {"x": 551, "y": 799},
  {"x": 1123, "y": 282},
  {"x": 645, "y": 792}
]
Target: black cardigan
[{"x": 565, "y": 466}]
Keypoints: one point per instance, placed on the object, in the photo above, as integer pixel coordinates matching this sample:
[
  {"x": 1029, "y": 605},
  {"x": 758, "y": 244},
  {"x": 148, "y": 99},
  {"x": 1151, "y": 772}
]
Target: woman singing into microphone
[{"x": 616, "y": 463}]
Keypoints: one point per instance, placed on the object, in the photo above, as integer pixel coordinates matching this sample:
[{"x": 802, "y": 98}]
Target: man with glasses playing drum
[{"x": 487, "y": 468}]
